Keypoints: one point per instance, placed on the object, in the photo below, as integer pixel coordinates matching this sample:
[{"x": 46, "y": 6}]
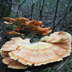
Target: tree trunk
[
  {"x": 32, "y": 7},
  {"x": 55, "y": 15},
  {"x": 14, "y": 9},
  {"x": 41, "y": 9}
]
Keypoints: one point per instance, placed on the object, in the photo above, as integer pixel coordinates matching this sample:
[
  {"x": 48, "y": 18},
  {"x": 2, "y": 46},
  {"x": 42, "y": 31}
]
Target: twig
[
  {"x": 41, "y": 9},
  {"x": 32, "y": 7},
  {"x": 49, "y": 9},
  {"x": 62, "y": 65},
  {"x": 39, "y": 4},
  {"x": 21, "y": 3},
  {"x": 64, "y": 15},
  {"x": 61, "y": 19},
  {"x": 55, "y": 15},
  {"x": 43, "y": 4}
]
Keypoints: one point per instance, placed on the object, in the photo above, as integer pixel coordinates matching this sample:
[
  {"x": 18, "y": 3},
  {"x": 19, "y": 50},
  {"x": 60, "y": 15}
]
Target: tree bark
[
  {"x": 32, "y": 7},
  {"x": 14, "y": 9}
]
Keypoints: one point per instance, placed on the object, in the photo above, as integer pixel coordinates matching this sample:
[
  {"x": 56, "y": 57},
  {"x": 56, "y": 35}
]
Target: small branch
[
  {"x": 62, "y": 65},
  {"x": 61, "y": 19},
  {"x": 39, "y": 4},
  {"x": 32, "y": 7},
  {"x": 49, "y": 9},
  {"x": 41, "y": 10},
  {"x": 21, "y": 3},
  {"x": 55, "y": 15},
  {"x": 71, "y": 8},
  {"x": 40, "y": 15},
  {"x": 64, "y": 14},
  {"x": 43, "y": 4}
]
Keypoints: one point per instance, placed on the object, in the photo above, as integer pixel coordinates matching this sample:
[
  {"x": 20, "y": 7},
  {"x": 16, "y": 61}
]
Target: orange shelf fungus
[
  {"x": 34, "y": 22},
  {"x": 44, "y": 31},
  {"x": 19, "y": 53},
  {"x": 14, "y": 43},
  {"x": 14, "y": 63},
  {"x": 26, "y": 25},
  {"x": 56, "y": 37},
  {"x": 15, "y": 34},
  {"x": 18, "y": 28},
  {"x": 6, "y": 22},
  {"x": 4, "y": 53},
  {"x": 16, "y": 21},
  {"x": 9, "y": 19},
  {"x": 22, "y": 54}
]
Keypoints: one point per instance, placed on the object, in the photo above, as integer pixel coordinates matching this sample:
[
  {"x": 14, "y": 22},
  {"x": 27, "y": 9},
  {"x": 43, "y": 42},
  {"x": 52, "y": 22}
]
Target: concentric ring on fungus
[{"x": 54, "y": 48}]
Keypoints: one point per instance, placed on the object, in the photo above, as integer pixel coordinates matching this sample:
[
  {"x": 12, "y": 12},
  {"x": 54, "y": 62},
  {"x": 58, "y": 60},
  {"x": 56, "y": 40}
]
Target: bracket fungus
[
  {"x": 13, "y": 44},
  {"x": 14, "y": 63},
  {"x": 25, "y": 25},
  {"x": 24, "y": 54},
  {"x": 56, "y": 37}
]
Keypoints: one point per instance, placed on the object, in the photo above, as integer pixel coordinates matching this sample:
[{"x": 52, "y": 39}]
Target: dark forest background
[{"x": 56, "y": 14}]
